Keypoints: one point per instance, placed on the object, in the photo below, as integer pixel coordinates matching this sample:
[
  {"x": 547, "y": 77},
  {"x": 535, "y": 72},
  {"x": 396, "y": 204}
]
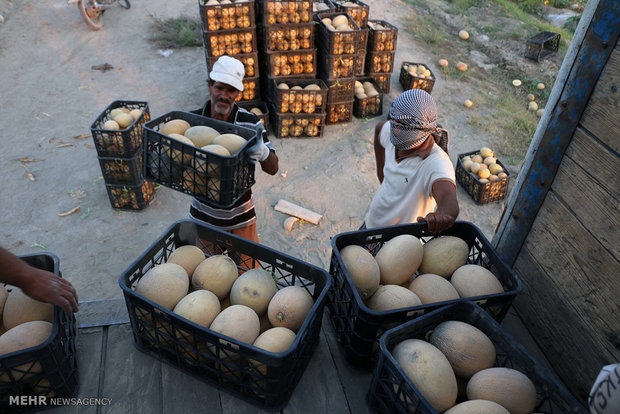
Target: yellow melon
[
  {"x": 275, "y": 340},
  {"x": 164, "y": 284},
  {"x": 3, "y": 295},
  {"x": 217, "y": 274},
  {"x": 362, "y": 269},
  {"x": 24, "y": 336},
  {"x": 399, "y": 259},
  {"x": 443, "y": 255},
  {"x": 123, "y": 120},
  {"x": 389, "y": 297},
  {"x": 188, "y": 257},
  {"x": 467, "y": 348},
  {"x": 175, "y": 126},
  {"x": 289, "y": 307},
  {"x": 200, "y": 306},
  {"x": 429, "y": 370},
  {"x": 339, "y": 20},
  {"x": 232, "y": 142},
  {"x": 111, "y": 124},
  {"x": 508, "y": 387},
  {"x": 474, "y": 280},
  {"x": 201, "y": 135},
  {"x": 20, "y": 308},
  {"x": 116, "y": 111},
  {"x": 238, "y": 322},
  {"x": 254, "y": 289},
  {"x": 432, "y": 288},
  {"x": 477, "y": 407},
  {"x": 135, "y": 113},
  {"x": 182, "y": 156}
]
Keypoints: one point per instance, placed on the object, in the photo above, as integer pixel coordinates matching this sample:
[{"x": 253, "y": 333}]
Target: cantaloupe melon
[
  {"x": 477, "y": 407},
  {"x": 254, "y": 289},
  {"x": 174, "y": 126},
  {"x": 443, "y": 255},
  {"x": 474, "y": 280},
  {"x": 200, "y": 306},
  {"x": 264, "y": 323},
  {"x": 201, "y": 135},
  {"x": 275, "y": 340},
  {"x": 289, "y": 307},
  {"x": 116, "y": 111},
  {"x": 20, "y": 308},
  {"x": 232, "y": 142},
  {"x": 429, "y": 370},
  {"x": 238, "y": 322},
  {"x": 135, "y": 113},
  {"x": 188, "y": 257},
  {"x": 24, "y": 336},
  {"x": 468, "y": 349},
  {"x": 362, "y": 268},
  {"x": 508, "y": 387},
  {"x": 217, "y": 274},
  {"x": 200, "y": 184},
  {"x": 123, "y": 120},
  {"x": 399, "y": 259},
  {"x": 111, "y": 124},
  {"x": 389, "y": 297},
  {"x": 3, "y": 295},
  {"x": 432, "y": 288},
  {"x": 183, "y": 156},
  {"x": 339, "y": 20},
  {"x": 164, "y": 284}
]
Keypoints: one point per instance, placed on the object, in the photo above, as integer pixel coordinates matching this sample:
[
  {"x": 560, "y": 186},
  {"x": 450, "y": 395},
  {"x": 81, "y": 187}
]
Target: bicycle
[{"x": 92, "y": 10}]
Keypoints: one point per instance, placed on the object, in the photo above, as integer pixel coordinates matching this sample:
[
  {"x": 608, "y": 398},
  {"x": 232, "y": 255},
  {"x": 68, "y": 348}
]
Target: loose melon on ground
[
  {"x": 20, "y": 308},
  {"x": 23, "y": 336},
  {"x": 362, "y": 268},
  {"x": 431, "y": 288},
  {"x": 164, "y": 284},
  {"x": 200, "y": 306},
  {"x": 254, "y": 289},
  {"x": 389, "y": 297},
  {"x": 289, "y": 307},
  {"x": 188, "y": 257},
  {"x": 508, "y": 387},
  {"x": 467, "y": 348},
  {"x": 443, "y": 255},
  {"x": 474, "y": 280},
  {"x": 399, "y": 259},
  {"x": 477, "y": 407},
  {"x": 217, "y": 274},
  {"x": 429, "y": 370}
]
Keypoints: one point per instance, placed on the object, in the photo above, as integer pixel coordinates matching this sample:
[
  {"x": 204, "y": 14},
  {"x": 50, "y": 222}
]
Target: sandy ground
[{"x": 50, "y": 95}]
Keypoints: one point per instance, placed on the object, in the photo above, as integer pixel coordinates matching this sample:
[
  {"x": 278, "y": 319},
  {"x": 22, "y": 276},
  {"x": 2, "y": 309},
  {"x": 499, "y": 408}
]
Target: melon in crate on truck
[
  {"x": 361, "y": 311},
  {"x": 212, "y": 166},
  {"x": 230, "y": 356}
]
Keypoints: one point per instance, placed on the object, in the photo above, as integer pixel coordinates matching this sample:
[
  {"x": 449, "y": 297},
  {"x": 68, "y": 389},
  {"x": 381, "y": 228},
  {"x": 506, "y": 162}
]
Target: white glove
[{"x": 259, "y": 152}]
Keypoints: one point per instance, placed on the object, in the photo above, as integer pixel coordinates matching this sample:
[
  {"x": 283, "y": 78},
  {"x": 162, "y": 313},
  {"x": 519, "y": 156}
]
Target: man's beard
[{"x": 218, "y": 106}]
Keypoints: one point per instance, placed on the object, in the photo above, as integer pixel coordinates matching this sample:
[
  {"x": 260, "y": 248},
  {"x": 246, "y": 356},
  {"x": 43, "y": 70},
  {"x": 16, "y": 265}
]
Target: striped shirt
[{"x": 242, "y": 213}]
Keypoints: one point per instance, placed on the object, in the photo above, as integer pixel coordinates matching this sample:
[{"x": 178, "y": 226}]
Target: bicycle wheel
[
  {"x": 124, "y": 4},
  {"x": 91, "y": 14}
]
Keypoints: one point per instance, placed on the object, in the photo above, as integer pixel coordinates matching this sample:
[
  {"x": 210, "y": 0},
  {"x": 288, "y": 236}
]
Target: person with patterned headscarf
[{"x": 416, "y": 175}]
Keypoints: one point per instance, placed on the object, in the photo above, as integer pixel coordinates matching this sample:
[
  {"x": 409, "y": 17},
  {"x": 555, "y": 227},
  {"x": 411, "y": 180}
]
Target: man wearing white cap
[
  {"x": 225, "y": 83},
  {"x": 417, "y": 178}
]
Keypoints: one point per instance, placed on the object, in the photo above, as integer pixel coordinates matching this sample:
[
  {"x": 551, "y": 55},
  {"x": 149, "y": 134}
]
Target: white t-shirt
[{"x": 406, "y": 191}]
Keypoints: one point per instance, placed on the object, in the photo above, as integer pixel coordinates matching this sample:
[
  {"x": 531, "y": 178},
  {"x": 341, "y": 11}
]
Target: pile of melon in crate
[
  {"x": 483, "y": 165},
  {"x": 388, "y": 280},
  {"x": 121, "y": 118},
  {"x": 211, "y": 292}
]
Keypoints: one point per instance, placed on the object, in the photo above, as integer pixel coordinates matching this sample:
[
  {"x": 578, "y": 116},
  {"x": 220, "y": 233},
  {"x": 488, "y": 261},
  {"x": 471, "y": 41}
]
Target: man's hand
[
  {"x": 46, "y": 287},
  {"x": 444, "y": 192},
  {"x": 437, "y": 222},
  {"x": 259, "y": 151}
]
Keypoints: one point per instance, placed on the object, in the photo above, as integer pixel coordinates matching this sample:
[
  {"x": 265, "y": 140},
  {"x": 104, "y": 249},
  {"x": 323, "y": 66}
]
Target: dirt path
[{"x": 51, "y": 94}]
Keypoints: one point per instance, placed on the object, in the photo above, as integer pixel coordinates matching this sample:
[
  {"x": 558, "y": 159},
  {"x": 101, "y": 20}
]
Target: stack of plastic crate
[
  {"x": 230, "y": 29},
  {"x": 382, "y": 38},
  {"x": 359, "y": 12}
]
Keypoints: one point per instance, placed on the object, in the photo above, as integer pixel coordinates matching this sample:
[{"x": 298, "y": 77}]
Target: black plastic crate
[
  {"x": 214, "y": 179},
  {"x": 384, "y": 80},
  {"x": 380, "y": 62},
  {"x": 237, "y": 15},
  {"x": 338, "y": 42},
  {"x": 340, "y": 90},
  {"x": 298, "y": 125},
  {"x": 360, "y": 63},
  {"x": 183, "y": 344},
  {"x": 409, "y": 81},
  {"x": 328, "y": 8},
  {"x": 391, "y": 391},
  {"x": 292, "y": 63},
  {"x": 230, "y": 42},
  {"x": 251, "y": 90},
  {"x": 542, "y": 45},
  {"x": 123, "y": 143},
  {"x": 382, "y": 36},
  {"x": 131, "y": 197},
  {"x": 249, "y": 60},
  {"x": 127, "y": 171},
  {"x": 338, "y": 113},
  {"x": 307, "y": 101},
  {"x": 284, "y": 37},
  {"x": 358, "y": 327},
  {"x": 56, "y": 357},
  {"x": 264, "y": 117},
  {"x": 285, "y": 11},
  {"x": 369, "y": 107},
  {"x": 337, "y": 66},
  {"x": 482, "y": 193},
  {"x": 359, "y": 12}
]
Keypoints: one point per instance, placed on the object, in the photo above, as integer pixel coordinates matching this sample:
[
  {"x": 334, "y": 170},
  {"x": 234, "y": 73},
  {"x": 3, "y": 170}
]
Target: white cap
[{"x": 228, "y": 70}]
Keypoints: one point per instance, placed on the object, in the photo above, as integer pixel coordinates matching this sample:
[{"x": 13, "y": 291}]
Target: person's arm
[
  {"x": 444, "y": 193},
  {"x": 379, "y": 151},
  {"x": 271, "y": 164},
  {"x": 39, "y": 284}
]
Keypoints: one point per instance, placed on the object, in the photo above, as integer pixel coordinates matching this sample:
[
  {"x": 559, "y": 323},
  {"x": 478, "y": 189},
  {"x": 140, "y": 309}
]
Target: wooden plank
[
  {"x": 580, "y": 192},
  {"x": 89, "y": 347},
  {"x": 291, "y": 209},
  {"x": 234, "y": 405},
  {"x": 355, "y": 381},
  {"x": 601, "y": 115},
  {"x": 131, "y": 378},
  {"x": 319, "y": 390},
  {"x": 183, "y": 392},
  {"x": 102, "y": 313}
]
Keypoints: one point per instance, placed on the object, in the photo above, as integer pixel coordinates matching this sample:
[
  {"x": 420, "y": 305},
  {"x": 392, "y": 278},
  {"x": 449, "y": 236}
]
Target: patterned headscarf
[{"x": 413, "y": 117}]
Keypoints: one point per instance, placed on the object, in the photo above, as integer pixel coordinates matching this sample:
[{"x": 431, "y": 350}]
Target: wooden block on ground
[{"x": 291, "y": 209}]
